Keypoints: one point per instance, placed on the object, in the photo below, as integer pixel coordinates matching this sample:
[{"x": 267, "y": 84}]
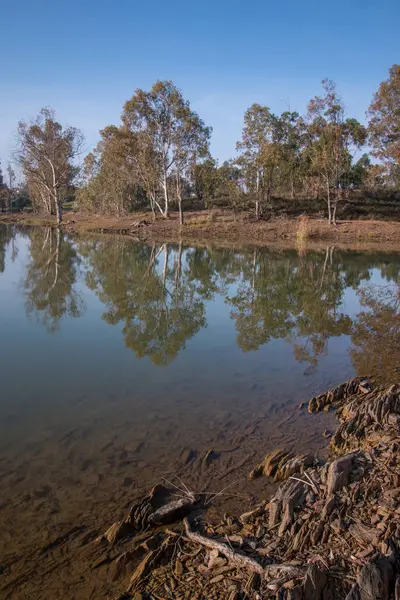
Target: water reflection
[
  {"x": 50, "y": 278},
  {"x": 376, "y": 333},
  {"x": 159, "y": 294}
]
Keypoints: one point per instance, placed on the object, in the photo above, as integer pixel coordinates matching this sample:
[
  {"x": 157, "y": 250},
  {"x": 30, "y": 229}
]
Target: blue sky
[{"x": 86, "y": 58}]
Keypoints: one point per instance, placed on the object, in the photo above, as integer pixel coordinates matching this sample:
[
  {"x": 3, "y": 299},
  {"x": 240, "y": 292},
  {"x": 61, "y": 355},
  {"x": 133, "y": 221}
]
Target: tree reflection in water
[{"x": 159, "y": 293}]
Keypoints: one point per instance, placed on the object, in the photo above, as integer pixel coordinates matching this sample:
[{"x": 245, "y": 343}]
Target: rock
[
  {"x": 364, "y": 534},
  {"x": 117, "y": 531},
  {"x": 339, "y": 473},
  {"x": 298, "y": 464},
  {"x": 141, "y": 570},
  {"x": 252, "y": 514},
  {"x": 374, "y": 580},
  {"x": 354, "y": 593},
  {"x": 270, "y": 464},
  {"x": 314, "y": 583},
  {"x": 328, "y": 507}
]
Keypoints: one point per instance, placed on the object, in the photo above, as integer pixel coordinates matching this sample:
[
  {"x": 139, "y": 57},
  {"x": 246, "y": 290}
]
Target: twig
[{"x": 302, "y": 481}]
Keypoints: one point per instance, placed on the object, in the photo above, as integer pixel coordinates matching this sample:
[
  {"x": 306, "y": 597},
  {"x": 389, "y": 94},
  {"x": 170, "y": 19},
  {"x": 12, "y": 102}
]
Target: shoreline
[
  {"x": 330, "y": 531},
  {"x": 219, "y": 228}
]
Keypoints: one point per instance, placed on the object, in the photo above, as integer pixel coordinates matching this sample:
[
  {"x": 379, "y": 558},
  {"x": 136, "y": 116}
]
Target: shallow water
[{"x": 118, "y": 358}]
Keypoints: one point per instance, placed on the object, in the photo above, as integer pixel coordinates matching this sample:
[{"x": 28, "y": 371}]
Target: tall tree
[
  {"x": 171, "y": 134},
  {"x": 258, "y": 154},
  {"x": 332, "y": 143},
  {"x": 46, "y": 152},
  {"x": 384, "y": 122}
]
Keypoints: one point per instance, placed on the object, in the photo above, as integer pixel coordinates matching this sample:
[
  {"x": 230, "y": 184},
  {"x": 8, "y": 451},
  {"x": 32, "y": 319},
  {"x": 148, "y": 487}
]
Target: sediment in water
[{"x": 331, "y": 531}]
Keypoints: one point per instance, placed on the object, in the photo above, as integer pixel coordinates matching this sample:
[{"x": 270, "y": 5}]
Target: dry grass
[{"x": 303, "y": 230}]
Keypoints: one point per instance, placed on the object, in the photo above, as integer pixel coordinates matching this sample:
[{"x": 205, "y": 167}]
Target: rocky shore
[{"x": 331, "y": 530}]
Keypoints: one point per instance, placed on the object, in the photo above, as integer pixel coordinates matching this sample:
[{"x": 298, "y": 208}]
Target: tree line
[{"x": 159, "y": 157}]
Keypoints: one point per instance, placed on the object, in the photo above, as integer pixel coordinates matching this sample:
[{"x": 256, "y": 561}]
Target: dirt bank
[{"x": 219, "y": 227}]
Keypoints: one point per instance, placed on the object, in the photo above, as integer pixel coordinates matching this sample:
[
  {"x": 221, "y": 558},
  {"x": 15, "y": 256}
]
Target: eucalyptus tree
[
  {"x": 384, "y": 123},
  {"x": 258, "y": 154},
  {"x": 46, "y": 152},
  {"x": 172, "y": 135},
  {"x": 333, "y": 140},
  {"x": 289, "y": 134}
]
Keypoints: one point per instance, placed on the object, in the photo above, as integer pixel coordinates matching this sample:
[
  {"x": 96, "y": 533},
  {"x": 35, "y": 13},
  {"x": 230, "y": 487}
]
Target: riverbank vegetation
[{"x": 158, "y": 158}]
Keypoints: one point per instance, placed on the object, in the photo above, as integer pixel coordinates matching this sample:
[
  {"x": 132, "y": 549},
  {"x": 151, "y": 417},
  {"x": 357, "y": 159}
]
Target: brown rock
[
  {"x": 314, "y": 583},
  {"x": 141, "y": 570},
  {"x": 339, "y": 473},
  {"x": 374, "y": 580},
  {"x": 117, "y": 531},
  {"x": 328, "y": 507},
  {"x": 252, "y": 514}
]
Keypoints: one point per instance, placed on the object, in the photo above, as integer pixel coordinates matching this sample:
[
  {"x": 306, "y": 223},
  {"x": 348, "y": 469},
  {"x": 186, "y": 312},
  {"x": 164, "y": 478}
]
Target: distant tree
[
  {"x": 384, "y": 121},
  {"x": 258, "y": 154},
  {"x": 46, "y": 151},
  {"x": 358, "y": 173},
  {"x": 230, "y": 185},
  {"x": 289, "y": 134},
  {"x": 332, "y": 143},
  {"x": 205, "y": 181}
]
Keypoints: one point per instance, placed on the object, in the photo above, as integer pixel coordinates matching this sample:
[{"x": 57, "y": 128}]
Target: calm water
[{"x": 116, "y": 358}]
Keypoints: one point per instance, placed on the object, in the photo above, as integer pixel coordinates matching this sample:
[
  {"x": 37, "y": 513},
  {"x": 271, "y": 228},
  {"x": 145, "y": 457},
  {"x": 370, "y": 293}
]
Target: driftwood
[
  {"x": 172, "y": 511},
  {"x": 240, "y": 560}
]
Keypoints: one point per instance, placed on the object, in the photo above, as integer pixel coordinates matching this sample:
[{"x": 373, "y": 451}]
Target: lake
[{"x": 123, "y": 363}]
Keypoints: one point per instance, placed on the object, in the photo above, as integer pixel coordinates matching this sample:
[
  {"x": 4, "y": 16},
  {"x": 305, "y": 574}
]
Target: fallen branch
[{"x": 240, "y": 560}]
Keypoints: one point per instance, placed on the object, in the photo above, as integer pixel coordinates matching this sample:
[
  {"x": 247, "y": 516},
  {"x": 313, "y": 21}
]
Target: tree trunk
[
  {"x": 293, "y": 190},
  {"x": 257, "y": 210},
  {"x": 59, "y": 211},
  {"x": 180, "y": 211},
  {"x": 153, "y": 207},
  {"x": 329, "y": 204},
  {"x": 334, "y": 213},
  {"x": 166, "y": 198}
]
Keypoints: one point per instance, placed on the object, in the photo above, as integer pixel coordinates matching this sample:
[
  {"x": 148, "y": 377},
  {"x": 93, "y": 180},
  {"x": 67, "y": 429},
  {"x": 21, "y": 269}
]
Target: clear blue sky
[{"x": 86, "y": 58}]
